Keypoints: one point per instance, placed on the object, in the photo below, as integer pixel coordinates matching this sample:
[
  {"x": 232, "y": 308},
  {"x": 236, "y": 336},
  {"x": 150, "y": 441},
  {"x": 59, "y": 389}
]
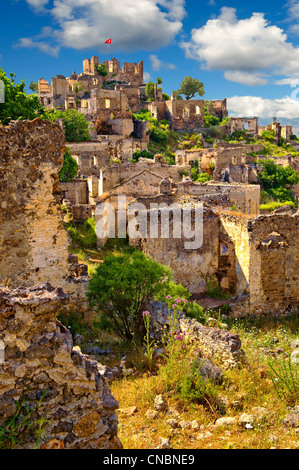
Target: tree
[
  {"x": 121, "y": 287},
  {"x": 150, "y": 89},
  {"x": 69, "y": 169},
  {"x": 101, "y": 69},
  {"x": 275, "y": 180},
  {"x": 18, "y": 105},
  {"x": 190, "y": 87},
  {"x": 34, "y": 87},
  {"x": 75, "y": 124}
]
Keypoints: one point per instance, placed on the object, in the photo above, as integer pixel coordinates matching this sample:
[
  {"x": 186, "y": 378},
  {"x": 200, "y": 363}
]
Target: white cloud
[
  {"x": 146, "y": 77},
  {"x": 247, "y": 50},
  {"x": 286, "y": 107},
  {"x": 37, "y": 4},
  {"x": 158, "y": 64},
  {"x": 246, "y": 78},
  {"x": 131, "y": 25},
  {"x": 30, "y": 43}
]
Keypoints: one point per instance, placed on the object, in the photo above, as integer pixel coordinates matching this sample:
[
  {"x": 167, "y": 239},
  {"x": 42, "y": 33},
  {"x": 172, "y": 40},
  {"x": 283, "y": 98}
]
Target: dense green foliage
[
  {"x": 101, "y": 69},
  {"x": 277, "y": 180},
  {"x": 121, "y": 287},
  {"x": 143, "y": 154},
  {"x": 271, "y": 206},
  {"x": 75, "y": 124},
  {"x": 190, "y": 87},
  {"x": 69, "y": 169},
  {"x": 18, "y": 105}
]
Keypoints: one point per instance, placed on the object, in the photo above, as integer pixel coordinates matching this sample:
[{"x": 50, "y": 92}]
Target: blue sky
[{"x": 248, "y": 53}]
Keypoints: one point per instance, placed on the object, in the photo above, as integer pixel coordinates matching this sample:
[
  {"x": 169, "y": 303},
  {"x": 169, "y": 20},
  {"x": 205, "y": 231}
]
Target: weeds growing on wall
[{"x": 11, "y": 432}]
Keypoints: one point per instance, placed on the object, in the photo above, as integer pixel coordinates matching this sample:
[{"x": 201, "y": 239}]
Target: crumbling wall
[
  {"x": 233, "y": 164},
  {"x": 250, "y": 125},
  {"x": 191, "y": 267},
  {"x": 117, "y": 174},
  {"x": 245, "y": 197},
  {"x": 42, "y": 367},
  {"x": 267, "y": 251},
  {"x": 33, "y": 241},
  {"x": 217, "y": 108}
]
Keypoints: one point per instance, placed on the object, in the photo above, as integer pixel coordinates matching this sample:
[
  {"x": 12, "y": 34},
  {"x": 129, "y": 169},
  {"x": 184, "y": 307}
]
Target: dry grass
[{"x": 244, "y": 388}]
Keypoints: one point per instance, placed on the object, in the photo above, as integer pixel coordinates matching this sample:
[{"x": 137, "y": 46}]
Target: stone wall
[
  {"x": 245, "y": 197},
  {"x": 221, "y": 346},
  {"x": 117, "y": 174},
  {"x": 94, "y": 156},
  {"x": 43, "y": 368},
  {"x": 191, "y": 267},
  {"x": 40, "y": 360},
  {"x": 267, "y": 252},
  {"x": 33, "y": 241},
  {"x": 250, "y": 125}
]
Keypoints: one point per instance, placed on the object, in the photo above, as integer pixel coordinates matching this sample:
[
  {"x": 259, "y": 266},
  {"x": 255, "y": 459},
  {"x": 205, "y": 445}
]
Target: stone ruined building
[
  {"x": 75, "y": 91},
  {"x": 180, "y": 114},
  {"x": 253, "y": 256},
  {"x": 186, "y": 115},
  {"x": 37, "y": 281},
  {"x": 250, "y": 125},
  {"x": 280, "y": 132},
  {"x": 107, "y": 103}
]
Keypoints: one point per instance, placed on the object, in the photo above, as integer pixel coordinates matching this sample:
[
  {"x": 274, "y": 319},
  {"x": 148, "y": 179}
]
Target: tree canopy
[
  {"x": 76, "y": 126},
  {"x": 276, "y": 180},
  {"x": 69, "y": 169},
  {"x": 18, "y": 105},
  {"x": 121, "y": 288},
  {"x": 190, "y": 87}
]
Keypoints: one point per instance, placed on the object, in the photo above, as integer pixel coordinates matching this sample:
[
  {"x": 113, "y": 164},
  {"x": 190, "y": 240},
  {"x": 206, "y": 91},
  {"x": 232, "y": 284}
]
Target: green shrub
[
  {"x": 270, "y": 206},
  {"x": 194, "y": 388},
  {"x": 275, "y": 179},
  {"x": 203, "y": 178},
  {"x": 159, "y": 136},
  {"x": 268, "y": 135},
  {"x": 143, "y": 154},
  {"x": 76, "y": 126},
  {"x": 69, "y": 169},
  {"x": 120, "y": 288}
]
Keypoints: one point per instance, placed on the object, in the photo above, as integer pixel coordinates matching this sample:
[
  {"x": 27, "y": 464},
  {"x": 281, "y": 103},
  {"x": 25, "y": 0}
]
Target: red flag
[{"x": 108, "y": 41}]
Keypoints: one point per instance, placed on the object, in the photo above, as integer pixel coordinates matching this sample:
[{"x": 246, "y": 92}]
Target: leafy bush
[
  {"x": 18, "y": 105},
  {"x": 194, "y": 388},
  {"x": 203, "y": 178},
  {"x": 210, "y": 120},
  {"x": 268, "y": 135},
  {"x": 76, "y": 125},
  {"x": 159, "y": 135},
  {"x": 69, "y": 169},
  {"x": 143, "y": 154},
  {"x": 274, "y": 180},
  {"x": 121, "y": 287},
  {"x": 270, "y": 206}
]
